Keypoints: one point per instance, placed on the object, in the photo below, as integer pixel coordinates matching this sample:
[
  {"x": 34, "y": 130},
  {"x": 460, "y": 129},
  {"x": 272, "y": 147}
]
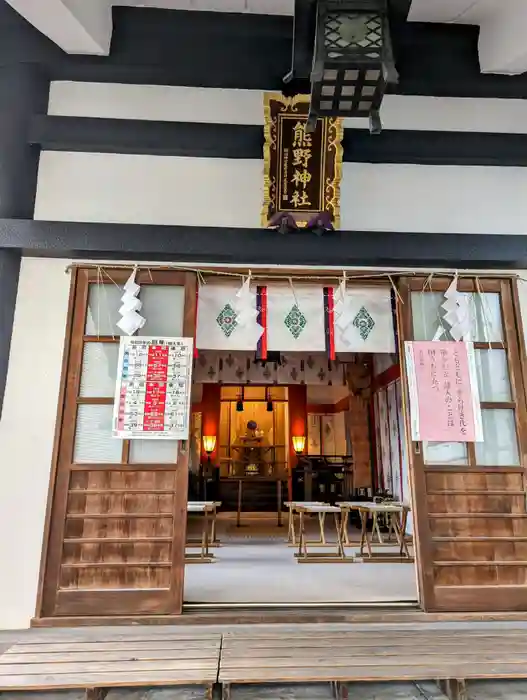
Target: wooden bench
[
  {"x": 97, "y": 665},
  {"x": 327, "y": 653}
]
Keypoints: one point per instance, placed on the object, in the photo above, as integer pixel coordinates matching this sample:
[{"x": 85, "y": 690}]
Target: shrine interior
[{"x": 286, "y": 452}]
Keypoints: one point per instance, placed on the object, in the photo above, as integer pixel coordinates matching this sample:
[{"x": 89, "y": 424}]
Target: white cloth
[
  {"x": 365, "y": 321},
  {"x": 295, "y": 318},
  {"x": 219, "y": 326}
]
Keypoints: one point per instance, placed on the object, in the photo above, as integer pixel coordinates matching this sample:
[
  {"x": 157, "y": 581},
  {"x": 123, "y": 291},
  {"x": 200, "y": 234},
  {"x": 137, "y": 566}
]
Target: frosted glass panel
[
  {"x": 104, "y": 302},
  {"x": 426, "y": 314},
  {"x": 493, "y": 375},
  {"x": 445, "y": 453},
  {"x": 93, "y": 436},
  {"x": 153, "y": 451},
  {"x": 486, "y": 318},
  {"x": 500, "y": 446},
  {"x": 163, "y": 308},
  {"x": 484, "y": 310},
  {"x": 99, "y": 369}
]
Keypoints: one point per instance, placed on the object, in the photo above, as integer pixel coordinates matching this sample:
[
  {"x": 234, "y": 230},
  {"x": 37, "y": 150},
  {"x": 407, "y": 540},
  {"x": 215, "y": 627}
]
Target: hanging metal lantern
[{"x": 352, "y": 60}]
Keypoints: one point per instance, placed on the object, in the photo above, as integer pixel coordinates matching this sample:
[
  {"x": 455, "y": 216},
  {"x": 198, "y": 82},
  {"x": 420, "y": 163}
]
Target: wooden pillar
[
  {"x": 360, "y": 439},
  {"x": 297, "y": 405},
  {"x": 24, "y": 92},
  {"x": 210, "y": 417}
]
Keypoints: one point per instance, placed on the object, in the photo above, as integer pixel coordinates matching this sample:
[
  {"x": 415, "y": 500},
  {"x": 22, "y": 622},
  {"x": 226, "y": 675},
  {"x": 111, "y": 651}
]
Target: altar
[{"x": 250, "y": 452}]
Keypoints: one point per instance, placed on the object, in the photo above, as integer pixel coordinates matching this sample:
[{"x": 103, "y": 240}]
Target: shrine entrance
[
  {"x": 287, "y": 472},
  {"x": 298, "y": 483}
]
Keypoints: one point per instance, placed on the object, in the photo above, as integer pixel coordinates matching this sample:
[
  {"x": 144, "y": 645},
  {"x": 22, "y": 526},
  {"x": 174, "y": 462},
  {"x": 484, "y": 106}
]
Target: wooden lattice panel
[{"x": 118, "y": 529}]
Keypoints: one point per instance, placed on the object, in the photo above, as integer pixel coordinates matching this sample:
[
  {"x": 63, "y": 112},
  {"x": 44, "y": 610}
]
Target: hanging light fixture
[
  {"x": 352, "y": 58},
  {"x": 209, "y": 445},
  {"x": 239, "y": 402},
  {"x": 269, "y": 400},
  {"x": 299, "y": 442}
]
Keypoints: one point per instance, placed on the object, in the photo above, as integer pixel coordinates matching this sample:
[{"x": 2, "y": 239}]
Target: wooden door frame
[
  {"x": 422, "y": 535},
  {"x": 48, "y": 591}
]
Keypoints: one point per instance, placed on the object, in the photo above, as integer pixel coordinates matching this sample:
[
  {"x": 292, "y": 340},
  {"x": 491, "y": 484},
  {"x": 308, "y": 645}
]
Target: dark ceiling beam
[
  {"x": 213, "y": 49},
  {"x": 197, "y": 140},
  {"x": 254, "y": 246}
]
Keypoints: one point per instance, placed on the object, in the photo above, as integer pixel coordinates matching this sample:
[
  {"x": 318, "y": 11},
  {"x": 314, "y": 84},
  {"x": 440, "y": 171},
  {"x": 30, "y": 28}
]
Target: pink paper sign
[{"x": 444, "y": 398}]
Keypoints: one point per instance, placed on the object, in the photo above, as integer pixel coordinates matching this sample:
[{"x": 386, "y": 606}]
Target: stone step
[
  {"x": 296, "y": 691},
  {"x": 476, "y": 690}
]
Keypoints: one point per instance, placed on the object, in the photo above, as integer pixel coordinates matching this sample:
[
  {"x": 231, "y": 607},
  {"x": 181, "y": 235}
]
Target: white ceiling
[
  {"x": 262, "y": 7},
  {"x": 84, "y": 26},
  {"x": 503, "y": 24},
  {"x": 455, "y": 11}
]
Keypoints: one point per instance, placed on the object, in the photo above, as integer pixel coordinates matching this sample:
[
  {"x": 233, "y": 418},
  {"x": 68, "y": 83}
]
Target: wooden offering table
[
  {"x": 278, "y": 480},
  {"x": 208, "y": 509},
  {"x": 321, "y": 477},
  {"x": 398, "y": 515},
  {"x": 321, "y": 510}
]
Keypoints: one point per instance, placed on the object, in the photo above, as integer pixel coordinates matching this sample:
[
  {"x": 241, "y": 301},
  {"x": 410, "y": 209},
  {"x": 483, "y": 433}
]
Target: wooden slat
[
  {"x": 115, "y": 679},
  {"x": 112, "y": 564},
  {"x": 373, "y": 673},
  {"x": 120, "y": 516},
  {"x": 358, "y": 664},
  {"x": 135, "y": 648},
  {"x": 291, "y": 636},
  {"x": 398, "y": 644},
  {"x": 89, "y": 656},
  {"x": 157, "y": 635},
  {"x": 322, "y": 656},
  {"x": 59, "y": 668},
  {"x": 116, "y": 540}
]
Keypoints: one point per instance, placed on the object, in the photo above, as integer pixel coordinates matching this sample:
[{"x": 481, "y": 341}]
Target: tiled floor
[{"x": 269, "y": 573}]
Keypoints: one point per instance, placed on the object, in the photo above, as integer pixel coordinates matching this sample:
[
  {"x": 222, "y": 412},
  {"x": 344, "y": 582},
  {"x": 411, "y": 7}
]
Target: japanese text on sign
[
  {"x": 444, "y": 398},
  {"x": 153, "y": 388},
  {"x": 302, "y": 171}
]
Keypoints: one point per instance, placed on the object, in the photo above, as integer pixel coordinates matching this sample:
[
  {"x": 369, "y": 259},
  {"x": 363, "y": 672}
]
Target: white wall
[
  {"x": 218, "y": 106},
  {"x": 166, "y": 190},
  {"x": 135, "y": 189},
  {"x": 27, "y": 431}
]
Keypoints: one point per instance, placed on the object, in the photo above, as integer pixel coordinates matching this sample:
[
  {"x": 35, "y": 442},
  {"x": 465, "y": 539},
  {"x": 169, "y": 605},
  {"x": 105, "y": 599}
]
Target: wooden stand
[
  {"x": 207, "y": 508},
  {"x": 292, "y": 507},
  {"x": 321, "y": 510},
  {"x": 398, "y": 514},
  {"x": 213, "y": 537}
]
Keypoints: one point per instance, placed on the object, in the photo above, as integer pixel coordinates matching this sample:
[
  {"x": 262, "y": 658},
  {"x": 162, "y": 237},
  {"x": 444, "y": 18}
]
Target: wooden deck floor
[{"x": 103, "y": 658}]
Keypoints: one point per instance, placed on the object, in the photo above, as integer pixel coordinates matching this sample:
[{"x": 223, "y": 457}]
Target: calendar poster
[{"x": 152, "y": 397}]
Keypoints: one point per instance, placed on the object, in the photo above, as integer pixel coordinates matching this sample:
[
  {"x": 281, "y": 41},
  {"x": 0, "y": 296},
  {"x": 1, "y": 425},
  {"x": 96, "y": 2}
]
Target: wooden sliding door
[
  {"x": 469, "y": 498},
  {"x": 116, "y": 526}
]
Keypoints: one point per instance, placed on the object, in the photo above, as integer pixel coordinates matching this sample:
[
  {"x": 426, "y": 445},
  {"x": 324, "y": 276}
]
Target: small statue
[{"x": 251, "y": 447}]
